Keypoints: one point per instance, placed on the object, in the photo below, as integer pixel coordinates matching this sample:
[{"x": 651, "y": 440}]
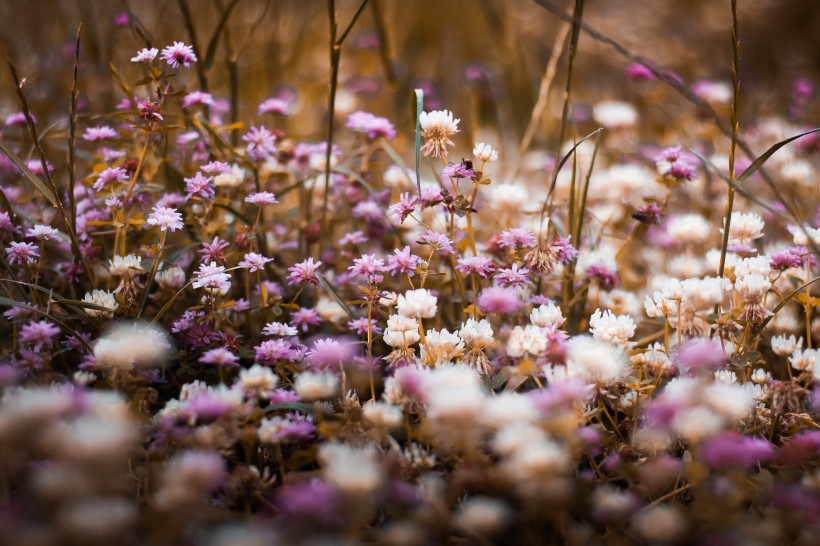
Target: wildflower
[
  {"x": 327, "y": 353},
  {"x": 786, "y": 259},
  {"x": 145, "y": 55},
  {"x": 229, "y": 178},
  {"x": 200, "y": 186},
  {"x": 292, "y": 428},
  {"x": 150, "y": 111},
  {"x": 360, "y": 326},
  {"x": 457, "y": 170},
  {"x": 274, "y": 105},
  {"x": 516, "y": 238},
  {"x": 304, "y": 318},
  {"x": 261, "y": 143},
  {"x": 615, "y": 114},
  {"x": 179, "y": 54},
  {"x": 368, "y": 266},
  {"x": 44, "y": 233},
  {"x": 382, "y": 415},
  {"x": 258, "y": 379},
  {"x": 353, "y": 238},
  {"x": 315, "y": 386},
  {"x": 132, "y": 345},
  {"x": 484, "y": 152},
  {"x": 304, "y": 272},
  {"x": 802, "y": 234},
  {"x": 262, "y": 198},
  {"x": 743, "y": 229},
  {"x": 476, "y": 265},
  {"x": 508, "y": 198},
  {"x": 734, "y": 451},
  {"x": 437, "y": 127},
  {"x": 713, "y": 92},
  {"x": 441, "y": 347},
  {"x": 273, "y": 350},
  {"x": 279, "y": 329},
  {"x": 110, "y": 175},
  {"x": 22, "y": 253},
  {"x": 782, "y": 345},
  {"x": 212, "y": 278},
  {"x": 197, "y": 97},
  {"x": 214, "y": 251},
  {"x": 547, "y": 316},
  {"x": 101, "y": 298},
  {"x": 166, "y": 219},
  {"x": 753, "y": 289},
  {"x": 804, "y": 360},
  {"x": 614, "y": 329},
  {"x": 496, "y": 299},
  {"x": 39, "y": 334},
  {"x": 439, "y": 241},
  {"x": 123, "y": 266},
  {"x": 19, "y": 119},
  {"x": 674, "y": 166},
  {"x": 527, "y": 340},
  {"x": 371, "y": 125},
  {"x": 403, "y": 262},
  {"x": 419, "y": 303},
  {"x": 596, "y": 361},
  {"x": 404, "y": 208},
  {"x": 477, "y": 335},
  {"x": 513, "y": 277},
  {"x": 219, "y": 357},
  {"x": 650, "y": 213},
  {"x": 100, "y": 133},
  {"x": 254, "y": 262},
  {"x": 637, "y": 72},
  {"x": 543, "y": 258}
]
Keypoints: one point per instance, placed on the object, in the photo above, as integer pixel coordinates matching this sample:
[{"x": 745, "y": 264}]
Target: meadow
[{"x": 409, "y": 273}]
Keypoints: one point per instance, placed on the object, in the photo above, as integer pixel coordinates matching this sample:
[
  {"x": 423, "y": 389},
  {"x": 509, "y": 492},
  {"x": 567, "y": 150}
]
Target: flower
[
  {"x": 44, "y": 233},
  {"x": 22, "y": 253},
  {"x": 419, "y": 303},
  {"x": 457, "y": 170},
  {"x": 304, "y": 272},
  {"x": 254, "y": 262},
  {"x": 108, "y": 176},
  {"x": 403, "y": 262},
  {"x": 101, "y": 298},
  {"x": 219, "y": 357},
  {"x": 261, "y": 143},
  {"x": 496, "y": 299},
  {"x": 547, "y": 316},
  {"x": 197, "y": 97},
  {"x": 274, "y": 350},
  {"x": 437, "y": 127},
  {"x": 279, "y": 329},
  {"x": 513, "y": 277},
  {"x": 145, "y": 55},
  {"x": 178, "y": 54},
  {"x": 743, "y": 229},
  {"x": 212, "y": 278},
  {"x": 214, "y": 251},
  {"x": 615, "y": 114},
  {"x": 485, "y": 152},
  {"x": 782, "y": 345},
  {"x": 596, "y": 361},
  {"x": 611, "y": 328},
  {"x": 516, "y": 238},
  {"x": 261, "y": 198},
  {"x": 439, "y": 241},
  {"x": 371, "y": 125},
  {"x": 39, "y": 334},
  {"x": 100, "y": 132},
  {"x": 476, "y": 265},
  {"x": 274, "y": 105},
  {"x": 132, "y": 345},
  {"x": 404, "y": 208},
  {"x": 166, "y": 218},
  {"x": 200, "y": 186},
  {"x": 315, "y": 386}
]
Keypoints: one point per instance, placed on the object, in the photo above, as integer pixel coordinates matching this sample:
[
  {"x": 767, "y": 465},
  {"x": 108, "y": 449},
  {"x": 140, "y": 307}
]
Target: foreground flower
[
  {"x": 419, "y": 303},
  {"x": 212, "y": 278},
  {"x": 437, "y": 127},
  {"x": 101, "y": 298},
  {"x": 304, "y": 272}
]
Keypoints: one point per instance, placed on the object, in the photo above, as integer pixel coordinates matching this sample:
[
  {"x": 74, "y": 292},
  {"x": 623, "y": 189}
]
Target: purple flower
[
  {"x": 262, "y": 198},
  {"x": 304, "y": 272},
  {"x": 179, "y": 54},
  {"x": 368, "y": 266},
  {"x": 517, "y": 237},
  {"x": 150, "y": 111},
  {"x": 274, "y": 350},
  {"x": 22, "y": 253},
  {"x": 476, "y": 265},
  {"x": 304, "y": 318},
  {"x": 438, "y": 241},
  {"x": 606, "y": 277},
  {"x": 197, "y": 97},
  {"x": 638, "y": 72},
  {"x": 371, "y": 125},
  {"x": 404, "y": 207},
  {"x": 498, "y": 300},
  {"x": 19, "y": 118},
  {"x": 215, "y": 168},
  {"x": 43, "y": 233},
  {"x": 110, "y": 175},
  {"x": 732, "y": 450},
  {"x": 274, "y": 105},
  {"x": 200, "y": 186},
  {"x": 513, "y": 277},
  {"x": 650, "y": 213},
  {"x": 312, "y": 500},
  {"x": 145, "y": 55},
  {"x": 39, "y": 334},
  {"x": 700, "y": 354},
  {"x": 261, "y": 143},
  {"x": 327, "y": 353},
  {"x": 219, "y": 357},
  {"x": 359, "y": 326},
  {"x": 212, "y": 278},
  {"x": 254, "y": 262},
  {"x": 102, "y": 132},
  {"x": 353, "y": 238},
  {"x": 786, "y": 259},
  {"x": 166, "y": 219},
  {"x": 214, "y": 251},
  {"x": 403, "y": 262},
  {"x": 457, "y": 170}
]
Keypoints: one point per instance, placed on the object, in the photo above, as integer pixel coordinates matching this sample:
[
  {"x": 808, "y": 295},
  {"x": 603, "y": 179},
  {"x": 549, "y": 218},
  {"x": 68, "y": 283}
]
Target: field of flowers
[{"x": 409, "y": 273}]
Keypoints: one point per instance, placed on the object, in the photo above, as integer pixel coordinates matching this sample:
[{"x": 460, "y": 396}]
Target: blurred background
[{"x": 484, "y": 59}]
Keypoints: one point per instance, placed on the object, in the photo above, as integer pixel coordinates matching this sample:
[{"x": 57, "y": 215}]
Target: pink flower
[
  {"x": 166, "y": 219},
  {"x": 39, "y": 334},
  {"x": 200, "y": 186},
  {"x": 404, "y": 207},
  {"x": 478, "y": 265},
  {"x": 215, "y": 168},
  {"x": 219, "y": 357},
  {"x": 22, "y": 253},
  {"x": 101, "y": 132},
  {"x": 214, "y": 251},
  {"x": 261, "y": 198},
  {"x": 110, "y": 175},
  {"x": 517, "y": 238},
  {"x": 403, "y": 262},
  {"x": 279, "y": 329},
  {"x": 19, "y": 118},
  {"x": 304, "y": 272},
  {"x": 371, "y": 125},
  {"x": 145, "y": 55},
  {"x": 438, "y": 241},
  {"x": 368, "y": 266},
  {"x": 273, "y": 350},
  {"x": 212, "y": 278},
  {"x": 499, "y": 300},
  {"x": 254, "y": 262},
  {"x": 197, "y": 97},
  {"x": 304, "y": 318},
  {"x": 179, "y": 54},
  {"x": 513, "y": 277},
  {"x": 261, "y": 143},
  {"x": 44, "y": 233},
  {"x": 276, "y": 106}
]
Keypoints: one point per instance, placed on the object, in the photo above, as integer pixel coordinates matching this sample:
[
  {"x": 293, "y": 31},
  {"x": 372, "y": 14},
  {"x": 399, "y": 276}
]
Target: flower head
[
  {"x": 178, "y": 54},
  {"x": 145, "y": 55},
  {"x": 437, "y": 127},
  {"x": 22, "y": 253},
  {"x": 166, "y": 219}
]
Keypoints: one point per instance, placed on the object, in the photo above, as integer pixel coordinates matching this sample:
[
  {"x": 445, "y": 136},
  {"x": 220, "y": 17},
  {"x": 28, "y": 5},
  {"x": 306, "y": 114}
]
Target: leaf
[
  {"x": 419, "y": 95},
  {"x": 39, "y": 184},
  {"x": 761, "y": 159},
  {"x": 329, "y": 289}
]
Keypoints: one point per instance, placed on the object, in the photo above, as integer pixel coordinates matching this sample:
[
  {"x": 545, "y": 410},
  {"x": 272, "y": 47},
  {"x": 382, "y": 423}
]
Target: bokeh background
[{"x": 482, "y": 58}]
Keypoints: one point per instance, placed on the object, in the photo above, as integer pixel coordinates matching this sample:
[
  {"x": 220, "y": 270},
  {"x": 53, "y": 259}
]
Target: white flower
[
  {"x": 145, "y": 55},
  {"x": 354, "y": 471},
  {"x": 547, "y": 316},
  {"x": 752, "y": 287},
  {"x": 688, "y": 229},
  {"x": 397, "y": 177},
  {"x": 615, "y": 114},
  {"x": 103, "y": 299},
  {"x": 382, "y": 415},
  {"x": 132, "y": 345},
  {"x": 527, "y": 340},
  {"x": 419, "y": 303},
  {"x": 757, "y": 265},
  {"x": 437, "y": 127},
  {"x": 804, "y": 360},
  {"x": 125, "y": 266},
  {"x": 744, "y": 228},
  {"x": 315, "y": 386},
  {"x": 330, "y": 310},
  {"x": 476, "y": 334},
  {"x": 441, "y": 346},
  {"x": 171, "y": 278},
  {"x": 597, "y": 362},
  {"x": 258, "y": 377},
  {"x": 783, "y": 345},
  {"x": 485, "y": 152},
  {"x": 508, "y": 197},
  {"x": 230, "y": 179},
  {"x": 388, "y": 299},
  {"x": 615, "y": 329},
  {"x": 801, "y": 235}
]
